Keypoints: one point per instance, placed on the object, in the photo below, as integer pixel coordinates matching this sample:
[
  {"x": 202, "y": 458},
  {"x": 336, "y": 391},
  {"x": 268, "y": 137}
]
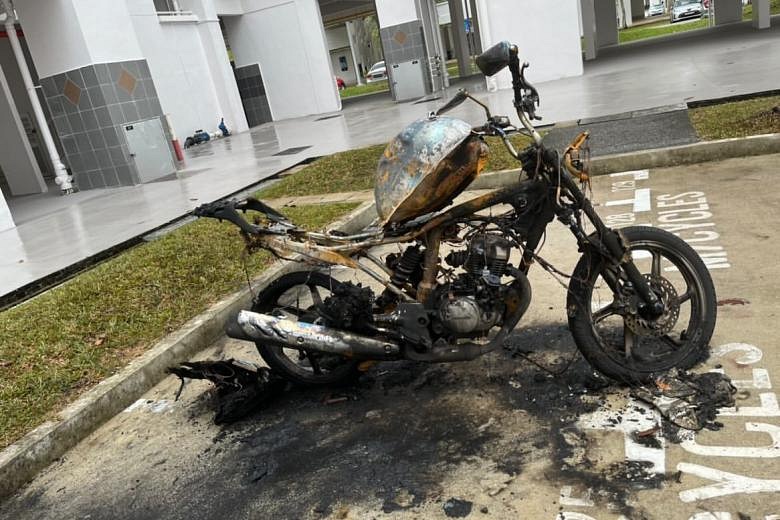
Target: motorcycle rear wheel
[
  {"x": 295, "y": 295},
  {"x": 617, "y": 340}
]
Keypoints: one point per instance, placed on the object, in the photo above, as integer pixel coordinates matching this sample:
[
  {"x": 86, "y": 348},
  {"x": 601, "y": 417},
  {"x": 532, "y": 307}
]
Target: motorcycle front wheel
[
  {"x": 296, "y": 295},
  {"x": 613, "y": 335}
]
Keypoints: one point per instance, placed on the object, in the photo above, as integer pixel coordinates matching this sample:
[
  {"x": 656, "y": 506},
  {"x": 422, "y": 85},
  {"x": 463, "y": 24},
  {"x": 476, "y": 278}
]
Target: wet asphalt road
[{"x": 498, "y": 437}]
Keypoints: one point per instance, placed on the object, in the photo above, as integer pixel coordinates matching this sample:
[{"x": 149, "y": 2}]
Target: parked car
[
  {"x": 656, "y": 9},
  {"x": 685, "y": 9},
  {"x": 377, "y": 72}
]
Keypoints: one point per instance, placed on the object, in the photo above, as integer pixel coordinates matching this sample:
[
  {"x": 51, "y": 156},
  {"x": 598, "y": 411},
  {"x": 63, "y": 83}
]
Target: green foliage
[
  {"x": 354, "y": 170},
  {"x": 55, "y": 346},
  {"x": 368, "y": 88},
  {"x": 737, "y": 119},
  {"x": 641, "y": 32}
]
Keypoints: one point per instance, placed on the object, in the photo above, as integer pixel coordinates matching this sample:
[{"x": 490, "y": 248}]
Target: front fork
[{"x": 609, "y": 243}]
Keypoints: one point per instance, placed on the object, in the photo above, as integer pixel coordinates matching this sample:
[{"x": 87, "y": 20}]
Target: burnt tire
[
  {"x": 310, "y": 368},
  {"x": 635, "y": 361}
]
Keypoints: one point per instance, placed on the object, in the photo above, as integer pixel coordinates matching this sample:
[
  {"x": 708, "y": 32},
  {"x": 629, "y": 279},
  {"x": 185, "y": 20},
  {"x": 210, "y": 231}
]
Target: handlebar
[{"x": 228, "y": 210}]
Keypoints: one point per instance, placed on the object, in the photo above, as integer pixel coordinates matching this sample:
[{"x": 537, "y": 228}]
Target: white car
[
  {"x": 683, "y": 9},
  {"x": 377, "y": 72},
  {"x": 656, "y": 9}
]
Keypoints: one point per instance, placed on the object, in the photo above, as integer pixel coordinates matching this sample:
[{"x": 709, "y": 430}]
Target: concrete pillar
[
  {"x": 727, "y": 11},
  {"x": 629, "y": 12},
  {"x": 222, "y": 75},
  {"x": 353, "y": 48},
  {"x": 638, "y": 9},
  {"x": 459, "y": 35},
  {"x": 401, "y": 30},
  {"x": 6, "y": 221},
  {"x": 475, "y": 27},
  {"x": 606, "y": 23},
  {"x": 761, "y": 17},
  {"x": 284, "y": 45},
  {"x": 16, "y": 157},
  {"x": 553, "y": 53},
  {"x": 95, "y": 80},
  {"x": 435, "y": 61},
  {"x": 588, "y": 13}
]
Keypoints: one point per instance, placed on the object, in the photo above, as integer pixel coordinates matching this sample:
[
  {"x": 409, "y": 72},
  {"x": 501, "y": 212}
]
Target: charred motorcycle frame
[{"x": 432, "y": 312}]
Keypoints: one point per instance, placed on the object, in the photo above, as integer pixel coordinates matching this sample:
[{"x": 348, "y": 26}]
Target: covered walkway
[{"x": 54, "y": 233}]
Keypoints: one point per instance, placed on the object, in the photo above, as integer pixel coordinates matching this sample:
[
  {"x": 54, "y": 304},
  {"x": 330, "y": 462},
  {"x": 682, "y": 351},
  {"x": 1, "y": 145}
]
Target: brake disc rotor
[{"x": 657, "y": 327}]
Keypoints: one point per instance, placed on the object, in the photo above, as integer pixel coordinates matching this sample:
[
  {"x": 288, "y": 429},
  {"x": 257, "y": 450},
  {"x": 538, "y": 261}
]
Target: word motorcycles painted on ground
[{"x": 686, "y": 215}]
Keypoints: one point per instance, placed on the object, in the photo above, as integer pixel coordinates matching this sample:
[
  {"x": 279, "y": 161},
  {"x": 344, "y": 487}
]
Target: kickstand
[{"x": 181, "y": 387}]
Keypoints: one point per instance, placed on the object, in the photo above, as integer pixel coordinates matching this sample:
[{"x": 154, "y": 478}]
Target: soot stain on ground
[
  {"x": 402, "y": 430},
  {"x": 404, "y": 426}
]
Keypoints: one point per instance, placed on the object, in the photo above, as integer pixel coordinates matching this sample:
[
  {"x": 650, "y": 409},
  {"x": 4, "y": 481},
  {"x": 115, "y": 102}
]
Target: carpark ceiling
[{"x": 334, "y": 11}]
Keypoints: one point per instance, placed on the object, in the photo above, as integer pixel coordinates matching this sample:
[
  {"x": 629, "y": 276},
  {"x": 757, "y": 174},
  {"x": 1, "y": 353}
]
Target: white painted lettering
[
  {"x": 752, "y": 354},
  {"x": 677, "y": 203},
  {"x": 725, "y": 483},
  {"x": 768, "y": 408},
  {"x": 763, "y": 452},
  {"x": 703, "y": 206},
  {"x": 692, "y": 194},
  {"x": 567, "y": 499},
  {"x": 693, "y": 215}
]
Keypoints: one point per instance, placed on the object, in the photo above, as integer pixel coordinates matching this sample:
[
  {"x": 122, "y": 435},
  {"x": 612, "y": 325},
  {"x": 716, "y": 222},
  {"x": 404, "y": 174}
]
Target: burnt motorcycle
[{"x": 640, "y": 301}]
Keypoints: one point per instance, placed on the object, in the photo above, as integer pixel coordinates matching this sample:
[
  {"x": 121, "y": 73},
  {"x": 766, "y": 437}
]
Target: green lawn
[
  {"x": 59, "y": 344},
  {"x": 737, "y": 119},
  {"x": 354, "y": 170},
  {"x": 368, "y": 88},
  {"x": 774, "y": 8},
  {"x": 662, "y": 28}
]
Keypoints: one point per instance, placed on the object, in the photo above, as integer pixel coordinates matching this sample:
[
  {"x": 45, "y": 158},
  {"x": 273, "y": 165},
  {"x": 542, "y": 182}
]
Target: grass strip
[
  {"x": 368, "y": 88},
  {"x": 737, "y": 119},
  {"x": 354, "y": 170},
  {"x": 641, "y": 32},
  {"x": 61, "y": 343}
]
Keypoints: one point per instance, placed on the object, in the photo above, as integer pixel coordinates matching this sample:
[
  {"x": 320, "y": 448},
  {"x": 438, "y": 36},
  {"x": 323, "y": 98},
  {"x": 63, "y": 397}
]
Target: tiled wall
[
  {"x": 403, "y": 42},
  {"x": 89, "y": 108},
  {"x": 253, "y": 97}
]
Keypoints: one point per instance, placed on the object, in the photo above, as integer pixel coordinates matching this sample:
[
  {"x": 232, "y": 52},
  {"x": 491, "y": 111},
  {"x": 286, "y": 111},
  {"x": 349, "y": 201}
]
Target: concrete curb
[
  {"x": 657, "y": 158},
  {"x": 20, "y": 462}
]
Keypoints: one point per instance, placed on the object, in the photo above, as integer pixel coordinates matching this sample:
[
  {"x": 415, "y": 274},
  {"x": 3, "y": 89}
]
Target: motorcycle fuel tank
[{"x": 426, "y": 166}]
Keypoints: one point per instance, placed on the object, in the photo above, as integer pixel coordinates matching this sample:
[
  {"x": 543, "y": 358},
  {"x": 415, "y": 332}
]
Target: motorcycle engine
[{"x": 473, "y": 302}]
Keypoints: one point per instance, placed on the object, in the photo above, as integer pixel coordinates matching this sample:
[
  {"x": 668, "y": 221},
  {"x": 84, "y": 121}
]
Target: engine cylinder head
[{"x": 487, "y": 251}]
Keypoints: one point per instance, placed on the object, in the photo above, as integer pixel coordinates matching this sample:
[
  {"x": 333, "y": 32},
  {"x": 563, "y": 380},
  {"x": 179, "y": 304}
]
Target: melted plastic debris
[
  {"x": 242, "y": 388},
  {"x": 688, "y": 400}
]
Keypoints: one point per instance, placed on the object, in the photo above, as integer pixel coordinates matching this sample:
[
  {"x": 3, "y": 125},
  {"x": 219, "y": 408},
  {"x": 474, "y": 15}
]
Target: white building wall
[
  {"x": 54, "y": 35},
  {"x": 105, "y": 27},
  {"x": 287, "y": 40},
  {"x": 179, "y": 69},
  {"x": 394, "y": 12},
  {"x": 337, "y": 37},
  {"x": 6, "y": 222},
  {"x": 545, "y": 31},
  {"x": 228, "y": 7},
  {"x": 218, "y": 63},
  {"x": 68, "y": 34}
]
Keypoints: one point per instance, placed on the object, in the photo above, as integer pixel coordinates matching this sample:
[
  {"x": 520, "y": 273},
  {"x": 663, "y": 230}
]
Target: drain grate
[
  {"x": 323, "y": 118},
  {"x": 291, "y": 151}
]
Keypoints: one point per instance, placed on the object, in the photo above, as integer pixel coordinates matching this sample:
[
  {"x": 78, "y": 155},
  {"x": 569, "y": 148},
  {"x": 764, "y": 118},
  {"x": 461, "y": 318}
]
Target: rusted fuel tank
[{"x": 426, "y": 166}]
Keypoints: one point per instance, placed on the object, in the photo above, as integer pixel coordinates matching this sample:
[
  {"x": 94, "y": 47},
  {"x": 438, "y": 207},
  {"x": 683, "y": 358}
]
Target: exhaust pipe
[{"x": 273, "y": 330}]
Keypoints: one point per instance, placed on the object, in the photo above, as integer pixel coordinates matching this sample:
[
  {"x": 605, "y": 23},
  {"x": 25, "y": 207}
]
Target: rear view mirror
[{"x": 495, "y": 58}]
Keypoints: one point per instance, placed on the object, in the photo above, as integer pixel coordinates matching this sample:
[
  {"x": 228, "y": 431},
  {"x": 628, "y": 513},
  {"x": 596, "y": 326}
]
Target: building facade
[{"x": 92, "y": 92}]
